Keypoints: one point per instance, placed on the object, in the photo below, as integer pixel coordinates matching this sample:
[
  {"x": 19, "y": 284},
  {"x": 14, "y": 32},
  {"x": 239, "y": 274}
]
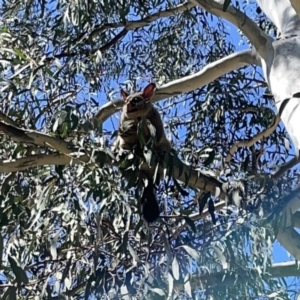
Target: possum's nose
[{"x": 131, "y": 108}]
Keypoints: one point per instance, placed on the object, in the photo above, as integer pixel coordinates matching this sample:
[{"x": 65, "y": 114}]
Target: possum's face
[{"x": 137, "y": 106}]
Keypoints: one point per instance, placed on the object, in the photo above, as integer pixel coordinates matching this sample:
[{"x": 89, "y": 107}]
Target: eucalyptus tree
[{"x": 70, "y": 225}]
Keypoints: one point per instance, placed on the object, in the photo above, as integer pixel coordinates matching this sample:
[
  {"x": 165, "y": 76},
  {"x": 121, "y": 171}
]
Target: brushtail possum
[{"x": 138, "y": 108}]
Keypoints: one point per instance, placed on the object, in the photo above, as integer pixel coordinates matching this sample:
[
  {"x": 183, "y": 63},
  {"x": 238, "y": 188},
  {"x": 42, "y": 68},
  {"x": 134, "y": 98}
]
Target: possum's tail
[{"x": 149, "y": 205}]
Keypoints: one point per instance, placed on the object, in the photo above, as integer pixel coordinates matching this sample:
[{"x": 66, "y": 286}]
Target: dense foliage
[{"x": 72, "y": 230}]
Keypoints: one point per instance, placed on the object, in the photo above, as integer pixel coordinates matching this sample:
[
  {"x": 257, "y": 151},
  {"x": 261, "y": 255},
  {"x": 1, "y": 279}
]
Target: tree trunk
[{"x": 281, "y": 63}]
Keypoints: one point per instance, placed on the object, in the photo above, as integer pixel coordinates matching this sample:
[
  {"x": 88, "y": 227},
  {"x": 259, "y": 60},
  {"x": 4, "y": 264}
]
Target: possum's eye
[{"x": 136, "y": 100}]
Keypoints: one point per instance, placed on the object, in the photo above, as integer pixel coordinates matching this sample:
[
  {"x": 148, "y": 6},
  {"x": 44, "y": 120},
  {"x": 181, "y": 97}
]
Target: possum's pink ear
[
  {"x": 124, "y": 95},
  {"x": 149, "y": 91}
]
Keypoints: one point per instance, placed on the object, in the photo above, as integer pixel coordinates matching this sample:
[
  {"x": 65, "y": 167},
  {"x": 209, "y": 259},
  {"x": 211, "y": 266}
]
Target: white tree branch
[
  {"x": 284, "y": 168},
  {"x": 285, "y": 269},
  {"x": 34, "y": 137},
  {"x": 33, "y": 161},
  {"x": 191, "y": 82},
  {"x": 185, "y": 173},
  {"x": 197, "y": 217},
  {"x": 296, "y": 219},
  {"x": 130, "y": 25},
  {"x": 287, "y": 235},
  {"x": 250, "y": 142},
  {"x": 161, "y": 14},
  {"x": 68, "y": 154},
  {"x": 256, "y": 36}
]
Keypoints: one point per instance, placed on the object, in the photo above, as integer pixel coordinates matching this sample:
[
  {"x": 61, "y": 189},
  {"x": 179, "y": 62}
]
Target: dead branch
[{"x": 293, "y": 162}]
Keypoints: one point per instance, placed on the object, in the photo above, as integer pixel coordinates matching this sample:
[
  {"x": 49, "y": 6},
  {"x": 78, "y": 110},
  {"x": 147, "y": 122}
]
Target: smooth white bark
[
  {"x": 287, "y": 235},
  {"x": 282, "y": 14},
  {"x": 282, "y": 72},
  {"x": 281, "y": 65}
]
